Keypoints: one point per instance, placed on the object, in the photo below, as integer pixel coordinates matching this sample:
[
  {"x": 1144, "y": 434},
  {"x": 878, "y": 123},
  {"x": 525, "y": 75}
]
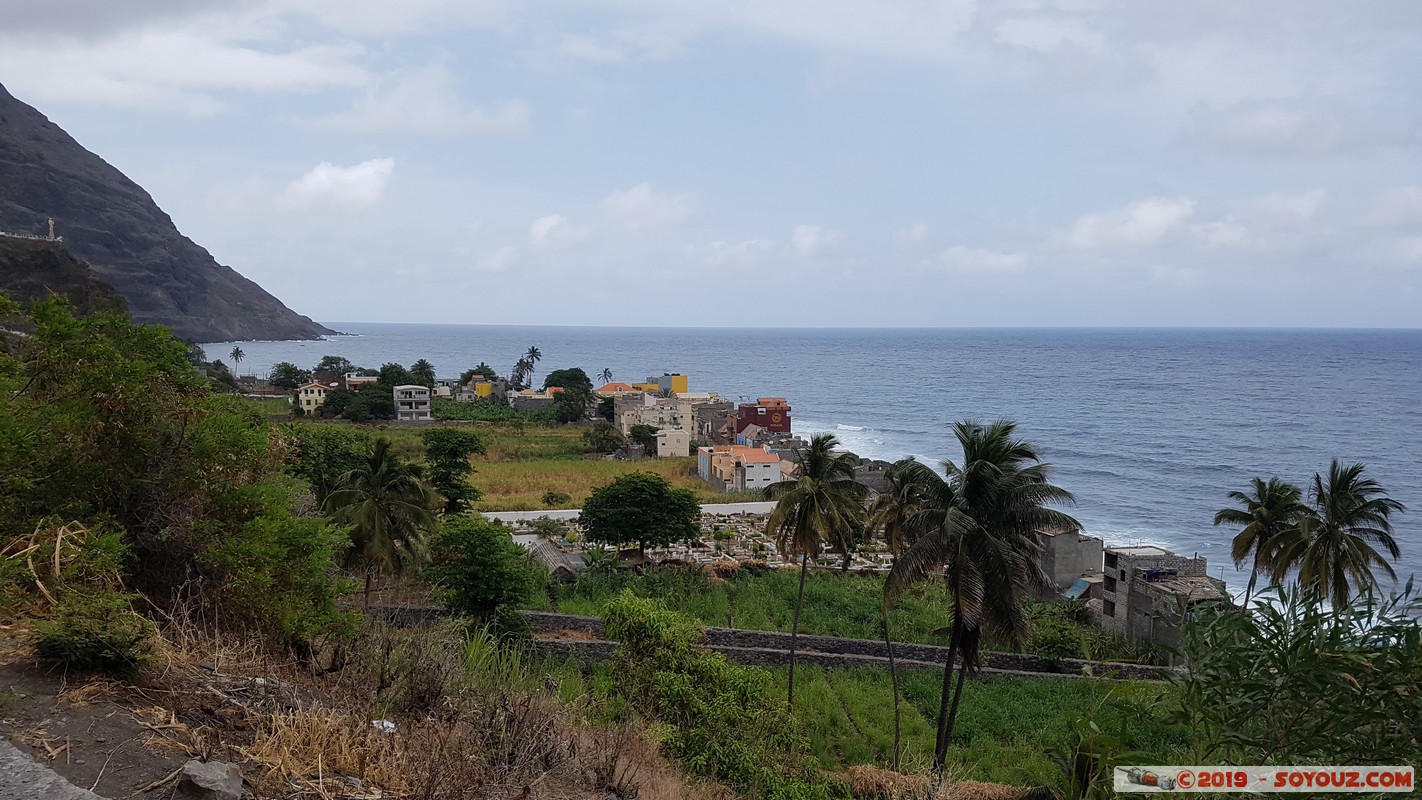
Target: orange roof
[
  {"x": 759, "y": 457},
  {"x": 616, "y": 387}
]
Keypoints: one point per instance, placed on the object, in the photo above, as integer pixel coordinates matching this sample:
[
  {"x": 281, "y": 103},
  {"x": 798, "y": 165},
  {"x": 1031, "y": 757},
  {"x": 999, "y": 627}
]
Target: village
[{"x": 1142, "y": 591}]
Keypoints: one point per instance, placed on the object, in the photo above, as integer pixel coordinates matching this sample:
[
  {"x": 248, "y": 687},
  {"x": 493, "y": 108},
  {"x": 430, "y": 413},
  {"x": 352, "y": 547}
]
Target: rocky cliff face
[
  {"x": 110, "y": 222},
  {"x": 32, "y": 270}
]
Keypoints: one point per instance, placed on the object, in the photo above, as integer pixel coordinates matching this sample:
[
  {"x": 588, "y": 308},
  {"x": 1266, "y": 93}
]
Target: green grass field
[
  {"x": 1007, "y": 728},
  {"x": 835, "y": 604}
]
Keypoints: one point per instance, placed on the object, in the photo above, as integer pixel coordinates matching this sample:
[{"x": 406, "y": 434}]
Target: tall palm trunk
[
  {"x": 894, "y": 679},
  {"x": 795, "y": 628},
  {"x": 940, "y": 747},
  {"x": 953, "y": 712}
]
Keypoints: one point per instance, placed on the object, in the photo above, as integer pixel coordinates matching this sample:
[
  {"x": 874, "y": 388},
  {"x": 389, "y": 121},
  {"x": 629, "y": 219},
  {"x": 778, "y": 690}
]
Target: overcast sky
[{"x": 766, "y": 162}]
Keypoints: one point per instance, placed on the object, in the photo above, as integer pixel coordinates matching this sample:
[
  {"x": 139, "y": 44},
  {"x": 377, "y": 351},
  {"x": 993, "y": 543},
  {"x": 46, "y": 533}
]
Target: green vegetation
[
  {"x": 1332, "y": 540},
  {"x": 574, "y": 378},
  {"x": 286, "y": 375},
  {"x": 478, "y": 571},
  {"x": 604, "y": 437},
  {"x": 977, "y": 527},
  {"x": 822, "y": 506},
  {"x": 836, "y": 604},
  {"x": 1008, "y": 728},
  {"x": 189, "y": 482},
  {"x": 640, "y": 508},
  {"x": 447, "y": 450},
  {"x": 487, "y": 410}
]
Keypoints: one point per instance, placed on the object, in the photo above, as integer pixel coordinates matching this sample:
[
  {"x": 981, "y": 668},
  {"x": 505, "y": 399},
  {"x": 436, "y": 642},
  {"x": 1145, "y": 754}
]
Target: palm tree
[
  {"x": 522, "y": 371},
  {"x": 237, "y": 356},
  {"x": 1335, "y": 545},
  {"x": 822, "y": 503},
  {"x": 423, "y": 370},
  {"x": 606, "y": 375},
  {"x": 387, "y": 505},
  {"x": 1269, "y": 515},
  {"x": 977, "y": 527},
  {"x": 889, "y": 516}
]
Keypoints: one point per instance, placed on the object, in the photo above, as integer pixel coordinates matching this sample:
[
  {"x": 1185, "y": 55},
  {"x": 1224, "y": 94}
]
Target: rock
[{"x": 214, "y": 780}]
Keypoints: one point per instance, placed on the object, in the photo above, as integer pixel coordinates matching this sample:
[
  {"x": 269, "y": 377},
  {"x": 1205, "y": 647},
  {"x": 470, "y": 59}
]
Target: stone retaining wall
[{"x": 836, "y": 652}]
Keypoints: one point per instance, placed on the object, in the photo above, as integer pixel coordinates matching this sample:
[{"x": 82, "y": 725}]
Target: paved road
[
  {"x": 572, "y": 513},
  {"x": 23, "y": 778}
]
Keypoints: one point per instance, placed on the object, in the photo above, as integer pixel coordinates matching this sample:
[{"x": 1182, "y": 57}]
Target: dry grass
[{"x": 520, "y": 485}]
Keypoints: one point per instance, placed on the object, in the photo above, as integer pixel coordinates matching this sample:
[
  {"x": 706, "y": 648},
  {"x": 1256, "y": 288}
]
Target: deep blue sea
[{"x": 1149, "y": 428}]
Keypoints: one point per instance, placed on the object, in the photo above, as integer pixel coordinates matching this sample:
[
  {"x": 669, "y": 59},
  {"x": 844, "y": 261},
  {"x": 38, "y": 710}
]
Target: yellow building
[
  {"x": 311, "y": 396},
  {"x": 674, "y": 382}
]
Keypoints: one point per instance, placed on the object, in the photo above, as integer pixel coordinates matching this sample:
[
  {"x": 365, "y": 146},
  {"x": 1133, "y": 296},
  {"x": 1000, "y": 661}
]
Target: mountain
[
  {"x": 111, "y": 223},
  {"x": 33, "y": 269}
]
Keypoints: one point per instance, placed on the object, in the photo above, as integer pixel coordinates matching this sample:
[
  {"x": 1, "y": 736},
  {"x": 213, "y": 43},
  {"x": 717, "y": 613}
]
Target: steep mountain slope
[
  {"x": 110, "y": 222},
  {"x": 33, "y": 269}
]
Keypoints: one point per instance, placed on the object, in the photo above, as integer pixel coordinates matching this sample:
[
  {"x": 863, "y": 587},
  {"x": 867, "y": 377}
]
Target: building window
[
  {"x": 1111, "y": 560},
  {"x": 1108, "y": 608},
  {"x": 1110, "y": 584}
]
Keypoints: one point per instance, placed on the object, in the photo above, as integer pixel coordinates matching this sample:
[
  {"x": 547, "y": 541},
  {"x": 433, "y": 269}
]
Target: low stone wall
[{"x": 771, "y": 648}]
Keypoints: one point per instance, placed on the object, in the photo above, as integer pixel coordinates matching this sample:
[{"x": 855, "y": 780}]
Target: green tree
[
  {"x": 287, "y": 376},
  {"x": 572, "y": 405},
  {"x": 605, "y": 409},
  {"x": 423, "y": 372},
  {"x": 392, "y": 375},
  {"x": 483, "y": 369},
  {"x": 1269, "y": 515},
  {"x": 977, "y": 527},
  {"x": 387, "y": 505},
  {"x": 822, "y": 504},
  {"x": 479, "y": 571},
  {"x": 603, "y": 437},
  {"x": 448, "y": 450},
  {"x": 643, "y": 508},
  {"x": 322, "y": 454},
  {"x": 606, "y": 376},
  {"x": 237, "y": 356},
  {"x": 645, "y": 435},
  {"x": 1347, "y": 519},
  {"x": 332, "y": 367},
  {"x": 572, "y": 378}
]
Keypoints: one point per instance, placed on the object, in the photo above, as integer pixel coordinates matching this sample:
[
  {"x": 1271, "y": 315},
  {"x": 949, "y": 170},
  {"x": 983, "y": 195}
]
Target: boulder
[{"x": 213, "y": 780}]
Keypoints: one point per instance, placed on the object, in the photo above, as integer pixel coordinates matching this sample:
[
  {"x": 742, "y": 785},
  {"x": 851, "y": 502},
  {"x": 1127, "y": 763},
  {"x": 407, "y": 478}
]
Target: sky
[{"x": 766, "y": 162}]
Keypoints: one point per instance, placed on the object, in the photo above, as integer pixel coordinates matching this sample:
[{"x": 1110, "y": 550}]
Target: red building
[{"x": 770, "y": 413}]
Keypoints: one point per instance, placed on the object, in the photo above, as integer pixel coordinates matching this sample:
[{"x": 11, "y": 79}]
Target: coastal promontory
[{"x": 111, "y": 223}]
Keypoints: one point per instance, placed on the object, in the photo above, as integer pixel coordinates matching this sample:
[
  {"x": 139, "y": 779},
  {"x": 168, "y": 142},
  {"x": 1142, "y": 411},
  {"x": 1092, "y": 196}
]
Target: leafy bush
[
  {"x": 603, "y": 437},
  {"x": 1293, "y": 680},
  {"x": 720, "y": 718},
  {"x": 479, "y": 571},
  {"x": 321, "y": 454},
  {"x": 276, "y": 575},
  {"x": 488, "y": 410},
  {"x": 95, "y": 629},
  {"x": 557, "y": 499}
]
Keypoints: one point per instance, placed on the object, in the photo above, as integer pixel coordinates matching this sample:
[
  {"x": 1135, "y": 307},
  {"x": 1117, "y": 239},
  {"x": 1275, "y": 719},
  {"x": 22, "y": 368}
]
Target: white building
[{"x": 412, "y": 403}]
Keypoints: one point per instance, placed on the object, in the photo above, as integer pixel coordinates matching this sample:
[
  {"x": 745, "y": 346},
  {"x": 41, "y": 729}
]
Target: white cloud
[
  {"x": 427, "y": 101},
  {"x": 352, "y": 188},
  {"x": 169, "y": 70},
  {"x": 970, "y": 260},
  {"x": 500, "y": 259},
  {"x": 1141, "y": 224},
  {"x": 1298, "y": 128},
  {"x": 913, "y": 234},
  {"x": 749, "y": 251},
  {"x": 555, "y": 229},
  {"x": 810, "y": 240},
  {"x": 1046, "y": 34},
  {"x": 642, "y": 207},
  {"x": 1176, "y": 277},
  {"x": 1395, "y": 208}
]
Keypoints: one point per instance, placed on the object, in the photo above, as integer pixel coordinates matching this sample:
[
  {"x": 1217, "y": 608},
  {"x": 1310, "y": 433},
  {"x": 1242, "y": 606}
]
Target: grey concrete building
[
  {"x": 1067, "y": 555},
  {"x": 412, "y": 403},
  {"x": 1149, "y": 592}
]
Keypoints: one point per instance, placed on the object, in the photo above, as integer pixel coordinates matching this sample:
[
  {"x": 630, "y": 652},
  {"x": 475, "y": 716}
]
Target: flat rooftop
[
  {"x": 1144, "y": 550},
  {"x": 1192, "y": 588}
]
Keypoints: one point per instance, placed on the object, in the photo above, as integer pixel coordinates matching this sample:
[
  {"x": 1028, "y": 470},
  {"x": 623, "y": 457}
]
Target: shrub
[
  {"x": 95, "y": 629},
  {"x": 276, "y": 576},
  {"x": 478, "y": 571},
  {"x": 557, "y": 499},
  {"x": 603, "y": 437}
]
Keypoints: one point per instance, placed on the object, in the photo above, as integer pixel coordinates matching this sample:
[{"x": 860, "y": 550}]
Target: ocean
[{"x": 1149, "y": 428}]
